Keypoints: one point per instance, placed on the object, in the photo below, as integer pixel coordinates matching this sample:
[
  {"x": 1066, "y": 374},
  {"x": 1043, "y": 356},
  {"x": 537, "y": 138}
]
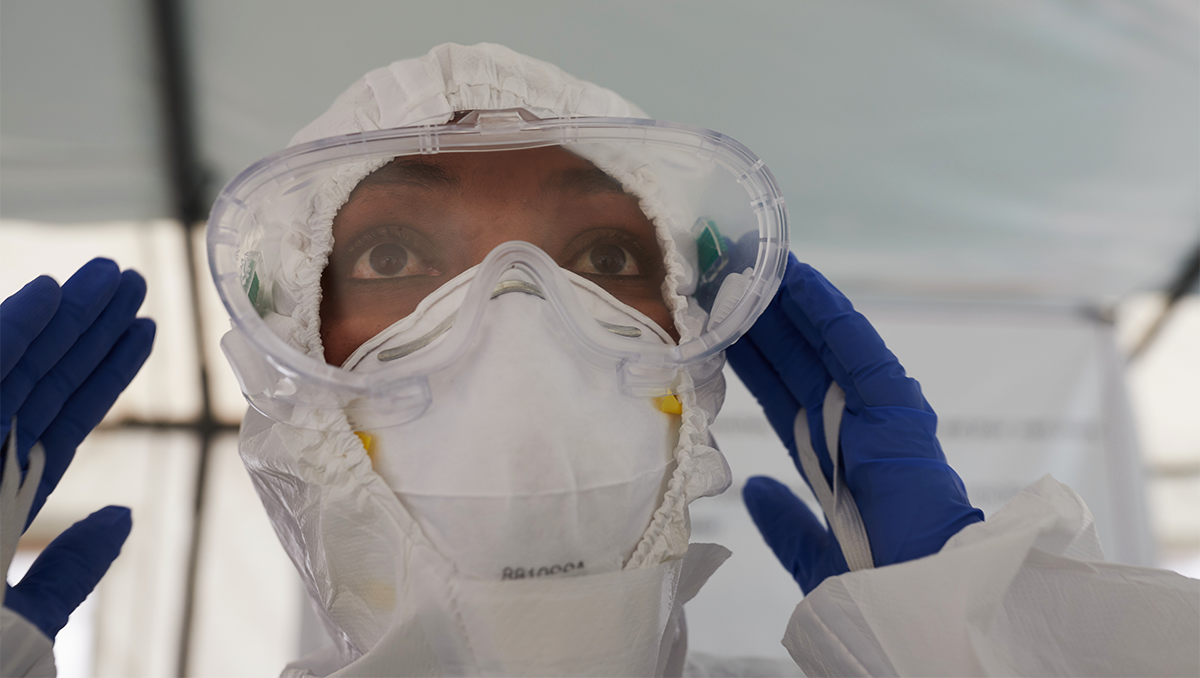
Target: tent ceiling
[
  {"x": 992, "y": 150},
  {"x": 79, "y": 123}
]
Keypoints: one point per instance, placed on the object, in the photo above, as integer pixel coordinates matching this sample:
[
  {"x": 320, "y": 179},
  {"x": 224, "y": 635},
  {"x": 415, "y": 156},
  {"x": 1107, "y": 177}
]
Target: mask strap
[
  {"x": 838, "y": 504},
  {"x": 16, "y": 496}
]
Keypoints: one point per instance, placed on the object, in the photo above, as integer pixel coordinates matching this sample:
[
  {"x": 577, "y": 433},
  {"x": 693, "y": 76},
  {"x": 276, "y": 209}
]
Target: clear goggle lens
[{"x": 681, "y": 224}]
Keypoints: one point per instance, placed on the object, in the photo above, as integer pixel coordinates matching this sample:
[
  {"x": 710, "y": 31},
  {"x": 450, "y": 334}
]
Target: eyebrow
[
  {"x": 410, "y": 173},
  {"x": 582, "y": 181}
]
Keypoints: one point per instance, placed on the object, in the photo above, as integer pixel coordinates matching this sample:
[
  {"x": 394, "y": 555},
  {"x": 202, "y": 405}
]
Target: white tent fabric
[
  {"x": 80, "y": 131},
  {"x": 1035, "y": 150},
  {"x": 927, "y": 149},
  {"x": 1048, "y": 397}
]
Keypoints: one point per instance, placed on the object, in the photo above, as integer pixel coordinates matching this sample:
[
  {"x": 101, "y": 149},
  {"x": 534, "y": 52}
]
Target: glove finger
[
  {"x": 847, "y": 344},
  {"x": 69, "y": 568},
  {"x": 778, "y": 399},
  {"x": 84, "y": 296},
  {"x": 911, "y": 530},
  {"x": 25, "y": 314},
  {"x": 52, "y": 392},
  {"x": 791, "y": 355},
  {"x": 799, "y": 540},
  {"x": 90, "y": 402},
  {"x": 764, "y": 382}
]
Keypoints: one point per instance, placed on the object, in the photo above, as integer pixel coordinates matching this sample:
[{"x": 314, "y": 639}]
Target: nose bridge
[
  {"x": 517, "y": 260},
  {"x": 519, "y": 269},
  {"x": 504, "y": 218}
]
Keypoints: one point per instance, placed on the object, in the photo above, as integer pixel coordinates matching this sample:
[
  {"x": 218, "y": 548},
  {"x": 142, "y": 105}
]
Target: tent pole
[
  {"x": 188, "y": 180},
  {"x": 1184, "y": 283}
]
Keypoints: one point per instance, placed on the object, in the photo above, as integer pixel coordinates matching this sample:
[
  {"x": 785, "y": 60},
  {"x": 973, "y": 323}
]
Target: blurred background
[{"x": 1009, "y": 189}]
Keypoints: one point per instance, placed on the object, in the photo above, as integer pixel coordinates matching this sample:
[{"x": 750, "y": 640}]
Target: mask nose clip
[
  {"x": 515, "y": 280},
  {"x": 506, "y": 286}
]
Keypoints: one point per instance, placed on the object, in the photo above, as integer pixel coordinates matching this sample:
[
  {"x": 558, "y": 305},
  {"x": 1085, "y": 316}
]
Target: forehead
[{"x": 551, "y": 170}]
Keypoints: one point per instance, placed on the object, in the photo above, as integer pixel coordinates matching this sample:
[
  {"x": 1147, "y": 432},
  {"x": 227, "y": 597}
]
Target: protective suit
[
  {"x": 496, "y": 480},
  {"x": 480, "y": 310},
  {"x": 1025, "y": 594}
]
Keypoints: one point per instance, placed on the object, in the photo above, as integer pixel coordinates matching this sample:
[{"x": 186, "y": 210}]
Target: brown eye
[
  {"x": 388, "y": 259},
  {"x": 607, "y": 259},
  {"x": 392, "y": 260}
]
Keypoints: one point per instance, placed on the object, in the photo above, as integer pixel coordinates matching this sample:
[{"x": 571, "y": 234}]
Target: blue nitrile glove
[
  {"x": 65, "y": 355},
  {"x": 909, "y": 498},
  {"x": 67, "y": 570}
]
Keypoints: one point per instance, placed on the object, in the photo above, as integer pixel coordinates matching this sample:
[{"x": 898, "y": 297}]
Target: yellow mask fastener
[
  {"x": 367, "y": 443},
  {"x": 670, "y": 404}
]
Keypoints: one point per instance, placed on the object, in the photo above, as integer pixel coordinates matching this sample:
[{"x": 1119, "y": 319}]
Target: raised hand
[
  {"x": 65, "y": 355},
  {"x": 909, "y": 499}
]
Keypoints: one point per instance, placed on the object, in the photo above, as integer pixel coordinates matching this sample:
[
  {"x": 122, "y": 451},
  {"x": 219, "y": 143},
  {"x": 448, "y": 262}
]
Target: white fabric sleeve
[
  {"x": 24, "y": 649},
  {"x": 1024, "y": 593}
]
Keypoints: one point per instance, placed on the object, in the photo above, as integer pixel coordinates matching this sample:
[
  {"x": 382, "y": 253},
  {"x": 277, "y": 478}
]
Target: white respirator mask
[{"x": 530, "y": 461}]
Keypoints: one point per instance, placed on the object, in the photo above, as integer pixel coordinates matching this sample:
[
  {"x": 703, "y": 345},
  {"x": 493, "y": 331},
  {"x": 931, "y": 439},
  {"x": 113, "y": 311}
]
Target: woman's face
[{"x": 417, "y": 222}]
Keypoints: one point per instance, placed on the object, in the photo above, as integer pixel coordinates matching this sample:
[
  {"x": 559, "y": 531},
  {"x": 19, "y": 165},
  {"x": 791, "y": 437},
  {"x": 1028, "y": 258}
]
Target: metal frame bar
[
  {"x": 1183, "y": 284},
  {"x": 188, "y": 200}
]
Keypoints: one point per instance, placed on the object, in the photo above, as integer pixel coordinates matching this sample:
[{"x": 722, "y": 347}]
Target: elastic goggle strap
[
  {"x": 16, "y": 496},
  {"x": 840, "y": 510}
]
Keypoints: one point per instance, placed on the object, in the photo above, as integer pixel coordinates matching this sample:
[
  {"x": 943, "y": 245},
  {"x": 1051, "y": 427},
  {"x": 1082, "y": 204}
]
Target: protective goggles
[{"x": 362, "y": 238}]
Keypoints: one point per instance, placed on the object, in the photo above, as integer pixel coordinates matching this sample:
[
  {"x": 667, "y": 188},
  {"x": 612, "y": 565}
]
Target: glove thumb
[
  {"x": 798, "y": 538},
  {"x": 69, "y": 568}
]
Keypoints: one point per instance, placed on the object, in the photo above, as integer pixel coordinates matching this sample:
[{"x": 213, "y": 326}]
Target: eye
[
  {"x": 607, "y": 258},
  {"x": 390, "y": 260}
]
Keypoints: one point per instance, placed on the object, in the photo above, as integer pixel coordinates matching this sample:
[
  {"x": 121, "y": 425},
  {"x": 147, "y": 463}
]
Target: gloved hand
[
  {"x": 65, "y": 355},
  {"x": 909, "y": 499}
]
